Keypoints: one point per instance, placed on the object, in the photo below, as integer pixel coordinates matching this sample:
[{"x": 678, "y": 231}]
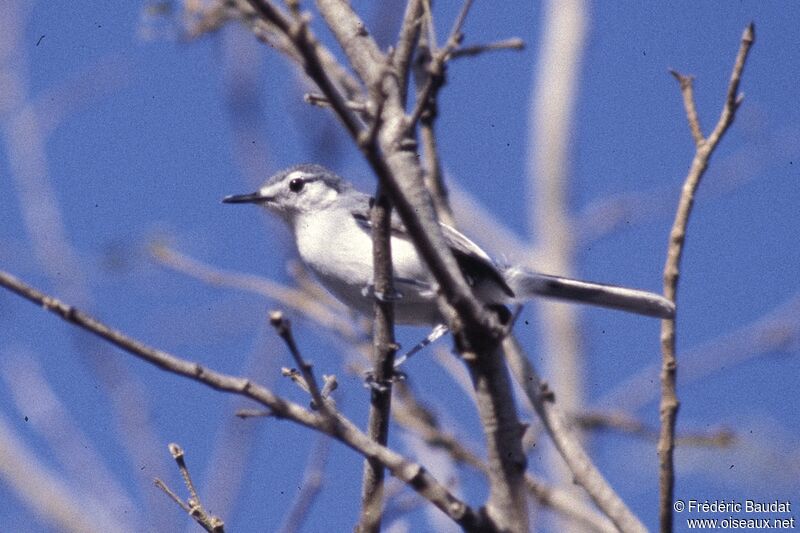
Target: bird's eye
[{"x": 296, "y": 185}]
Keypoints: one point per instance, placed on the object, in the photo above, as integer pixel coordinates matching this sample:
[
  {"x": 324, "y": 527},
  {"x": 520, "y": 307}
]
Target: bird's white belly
[{"x": 340, "y": 256}]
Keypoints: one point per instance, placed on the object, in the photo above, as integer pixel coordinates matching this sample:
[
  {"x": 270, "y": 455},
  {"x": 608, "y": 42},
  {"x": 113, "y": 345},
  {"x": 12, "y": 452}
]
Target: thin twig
[
  {"x": 436, "y": 68},
  {"x": 338, "y": 427},
  {"x": 192, "y": 506},
  {"x": 720, "y": 438},
  {"x": 283, "y": 327},
  {"x": 434, "y": 177},
  {"x": 320, "y": 100},
  {"x": 174, "y": 497},
  {"x": 669, "y": 404},
  {"x": 513, "y": 43},
  {"x": 687, "y": 90}
]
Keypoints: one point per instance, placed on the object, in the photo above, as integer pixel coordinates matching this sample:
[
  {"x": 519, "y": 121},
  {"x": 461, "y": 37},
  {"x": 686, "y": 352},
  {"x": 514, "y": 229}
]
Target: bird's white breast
[{"x": 339, "y": 253}]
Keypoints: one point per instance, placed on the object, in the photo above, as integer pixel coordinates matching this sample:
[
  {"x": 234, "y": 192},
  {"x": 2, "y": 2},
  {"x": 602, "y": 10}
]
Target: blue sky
[{"x": 142, "y": 134}]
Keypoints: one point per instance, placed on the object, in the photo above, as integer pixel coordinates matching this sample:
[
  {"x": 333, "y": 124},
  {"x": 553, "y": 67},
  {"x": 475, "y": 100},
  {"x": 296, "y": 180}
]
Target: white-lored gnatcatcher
[{"x": 330, "y": 221}]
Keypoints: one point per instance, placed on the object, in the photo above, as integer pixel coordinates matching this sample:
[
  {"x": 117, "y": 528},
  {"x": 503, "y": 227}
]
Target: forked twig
[
  {"x": 669, "y": 404},
  {"x": 192, "y": 506}
]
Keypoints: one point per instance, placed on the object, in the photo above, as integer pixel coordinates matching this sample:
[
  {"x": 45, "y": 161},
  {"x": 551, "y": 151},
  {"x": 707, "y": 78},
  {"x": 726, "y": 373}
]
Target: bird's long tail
[{"x": 527, "y": 285}]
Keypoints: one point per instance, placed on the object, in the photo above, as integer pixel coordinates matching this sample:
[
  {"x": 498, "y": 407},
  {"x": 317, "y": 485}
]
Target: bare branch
[
  {"x": 406, "y": 44},
  {"x": 283, "y": 327},
  {"x": 319, "y": 100},
  {"x": 416, "y": 418},
  {"x": 383, "y": 349},
  {"x": 514, "y": 43},
  {"x": 193, "y": 507},
  {"x": 621, "y": 422},
  {"x": 687, "y": 90},
  {"x": 668, "y": 408},
  {"x": 434, "y": 177},
  {"x": 338, "y": 427}
]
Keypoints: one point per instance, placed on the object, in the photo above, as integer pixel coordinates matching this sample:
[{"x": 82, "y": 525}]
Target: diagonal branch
[
  {"x": 337, "y": 427},
  {"x": 284, "y": 330},
  {"x": 567, "y": 442}
]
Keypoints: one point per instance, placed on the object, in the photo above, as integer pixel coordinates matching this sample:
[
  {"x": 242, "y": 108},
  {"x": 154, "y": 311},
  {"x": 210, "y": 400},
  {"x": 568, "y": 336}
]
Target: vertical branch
[
  {"x": 433, "y": 168},
  {"x": 668, "y": 409},
  {"x": 507, "y": 505},
  {"x": 384, "y": 348},
  {"x": 406, "y": 44}
]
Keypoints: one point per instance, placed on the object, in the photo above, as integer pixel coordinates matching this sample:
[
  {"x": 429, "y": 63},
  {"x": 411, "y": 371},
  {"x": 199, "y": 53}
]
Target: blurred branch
[
  {"x": 705, "y": 148},
  {"x": 552, "y": 108},
  {"x": 514, "y": 43},
  {"x": 192, "y": 506},
  {"x": 51, "y": 499},
  {"x": 337, "y": 426},
  {"x": 777, "y": 330},
  {"x": 567, "y": 442},
  {"x": 80, "y": 92},
  {"x": 27, "y": 121},
  {"x": 74, "y": 451},
  {"x": 623, "y": 423},
  {"x": 415, "y": 417},
  {"x": 313, "y": 480},
  {"x": 293, "y": 298}
]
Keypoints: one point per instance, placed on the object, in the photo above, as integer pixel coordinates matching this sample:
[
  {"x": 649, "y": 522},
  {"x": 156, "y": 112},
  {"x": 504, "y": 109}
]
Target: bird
[{"x": 330, "y": 222}]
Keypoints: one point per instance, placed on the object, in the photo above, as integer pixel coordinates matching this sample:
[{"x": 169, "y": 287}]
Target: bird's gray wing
[{"x": 475, "y": 264}]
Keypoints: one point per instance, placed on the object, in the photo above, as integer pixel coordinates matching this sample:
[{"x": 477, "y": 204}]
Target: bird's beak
[{"x": 252, "y": 198}]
